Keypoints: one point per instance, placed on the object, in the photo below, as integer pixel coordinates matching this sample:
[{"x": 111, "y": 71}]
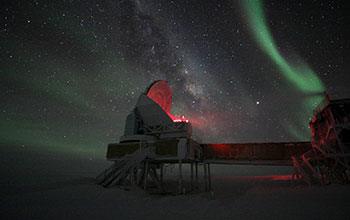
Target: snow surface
[{"x": 43, "y": 185}]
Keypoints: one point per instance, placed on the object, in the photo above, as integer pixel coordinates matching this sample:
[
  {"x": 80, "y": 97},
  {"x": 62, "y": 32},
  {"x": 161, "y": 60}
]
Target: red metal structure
[{"x": 328, "y": 160}]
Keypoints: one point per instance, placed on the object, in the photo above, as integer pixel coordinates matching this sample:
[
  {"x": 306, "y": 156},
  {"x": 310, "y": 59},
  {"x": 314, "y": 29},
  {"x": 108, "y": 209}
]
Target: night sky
[{"x": 240, "y": 71}]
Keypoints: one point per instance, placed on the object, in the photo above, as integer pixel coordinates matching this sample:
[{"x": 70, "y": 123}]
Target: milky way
[{"x": 240, "y": 71}]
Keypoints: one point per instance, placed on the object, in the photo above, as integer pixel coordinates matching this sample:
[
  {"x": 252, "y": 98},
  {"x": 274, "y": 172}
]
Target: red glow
[
  {"x": 221, "y": 147},
  {"x": 160, "y": 92},
  {"x": 179, "y": 118},
  {"x": 214, "y": 123},
  {"x": 313, "y": 119},
  {"x": 267, "y": 177},
  {"x": 312, "y": 129}
]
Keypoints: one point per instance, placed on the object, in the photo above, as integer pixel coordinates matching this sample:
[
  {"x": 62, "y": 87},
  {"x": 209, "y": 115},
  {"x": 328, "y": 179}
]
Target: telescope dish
[{"x": 160, "y": 92}]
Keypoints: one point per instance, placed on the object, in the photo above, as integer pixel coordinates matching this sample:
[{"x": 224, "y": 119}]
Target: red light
[
  {"x": 160, "y": 92},
  {"x": 179, "y": 118},
  {"x": 267, "y": 177},
  {"x": 182, "y": 119}
]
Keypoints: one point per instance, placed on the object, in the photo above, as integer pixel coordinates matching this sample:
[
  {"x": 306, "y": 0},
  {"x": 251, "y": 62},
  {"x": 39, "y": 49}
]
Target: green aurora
[
  {"x": 69, "y": 80},
  {"x": 300, "y": 75}
]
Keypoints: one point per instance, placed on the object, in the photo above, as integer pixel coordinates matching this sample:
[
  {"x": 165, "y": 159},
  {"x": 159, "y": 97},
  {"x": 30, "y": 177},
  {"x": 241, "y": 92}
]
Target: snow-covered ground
[{"x": 37, "y": 185}]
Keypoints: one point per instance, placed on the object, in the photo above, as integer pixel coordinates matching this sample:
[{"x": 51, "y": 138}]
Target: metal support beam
[
  {"x": 161, "y": 173},
  {"x": 205, "y": 177},
  {"x": 154, "y": 176},
  {"x": 192, "y": 179},
  {"x": 180, "y": 177},
  {"x": 146, "y": 175},
  {"x": 209, "y": 177},
  {"x": 196, "y": 168}
]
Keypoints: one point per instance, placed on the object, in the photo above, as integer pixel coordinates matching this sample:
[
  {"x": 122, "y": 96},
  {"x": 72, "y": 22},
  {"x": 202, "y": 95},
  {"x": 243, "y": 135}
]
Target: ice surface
[{"x": 38, "y": 185}]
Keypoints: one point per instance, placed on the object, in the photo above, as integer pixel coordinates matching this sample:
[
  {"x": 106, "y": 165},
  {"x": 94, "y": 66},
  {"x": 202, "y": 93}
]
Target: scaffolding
[
  {"x": 142, "y": 164},
  {"x": 328, "y": 161}
]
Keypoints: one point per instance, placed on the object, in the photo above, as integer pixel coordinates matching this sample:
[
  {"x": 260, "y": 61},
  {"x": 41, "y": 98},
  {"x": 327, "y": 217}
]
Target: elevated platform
[
  {"x": 164, "y": 150},
  {"x": 172, "y": 150},
  {"x": 251, "y": 162},
  {"x": 279, "y": 154}
]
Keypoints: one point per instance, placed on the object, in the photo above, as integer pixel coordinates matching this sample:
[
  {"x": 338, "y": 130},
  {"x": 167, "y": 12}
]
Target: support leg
[
  {"x": 161, "y": 173},
  {"x": 134, "y": 176},
  {"x": 154, "y": 175},
  {"x": 180, "y": 177},
  {"x": 192, "y": 176},
  {"x": 140, "y": 176},
  {"x": 196, "y": 167},
  {"x": 205, "y": 177},
  {"x": 209, "y": 177},
  {"x": 146, "y": 175}
]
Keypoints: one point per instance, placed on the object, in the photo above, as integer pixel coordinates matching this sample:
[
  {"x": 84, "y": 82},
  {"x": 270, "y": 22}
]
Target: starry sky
[{"x": 240, "y": 71}]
